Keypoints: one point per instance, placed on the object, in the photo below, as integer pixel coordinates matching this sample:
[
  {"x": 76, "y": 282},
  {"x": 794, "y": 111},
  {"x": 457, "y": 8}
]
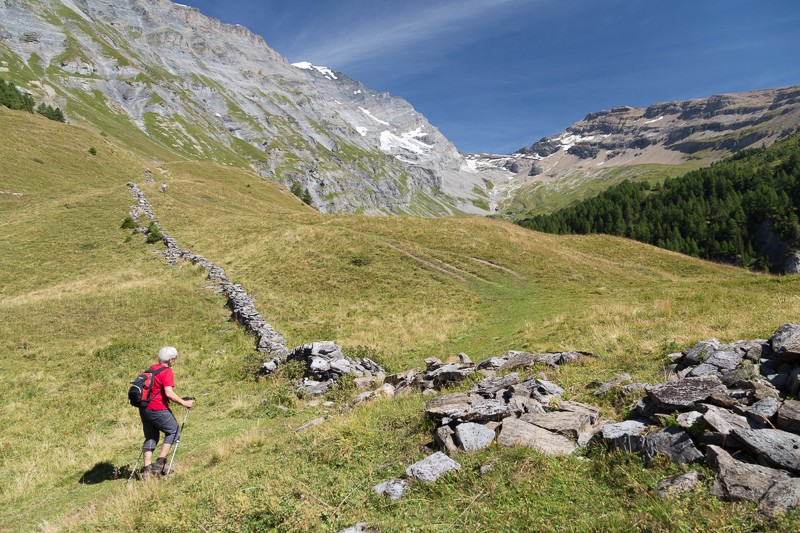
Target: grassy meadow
[{"x": 85, "y": 305}]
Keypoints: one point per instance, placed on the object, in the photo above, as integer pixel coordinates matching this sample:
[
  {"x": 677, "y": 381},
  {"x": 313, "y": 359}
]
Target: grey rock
[
  {"x": 485, "y": 410},
  {"x": 682, "y": 395},
  {"x": 739, "y": 481},
  {"x": 788, "y": 418},
  {"x": 701, "y": 351},
  {"x": 673, "y": 442},
  {"x": 633, "y": 387},
  {"x": 516, "y": 432},
  {"x": 432, "y": 467},
  {"x": 393, "y": 488},
  {"x": 488, "y": 387},
  {"x": 464, "y": 359},
  {"x": 690, "y": 419},
  {"x": 453, "y": 405},
  {"x": 443, "y": 437},
  {"x": 521, "y": 360},
  {"x": 432, "y": 363},
  {"x": 675, "y": 357},
  {"x": 472, "y": 437},
  {"x": 494, "y": 363},
  {"x": 311, "y": 423},
  {"x": 679, "y": 484},
  {"x": 727, "y": 360},
  {"x": 361, "y": 527},
  {"x": 614, "y": 383},
  {"x": 566, "y": 423},
  {"x": 776, "y": 447},
  {"x": 783, "y": 496},
  {"x": 704, "y": 369},
  {"x": 723, "y": 421},
  {"x": 764, "y": 411},
  {"x": 575, "y": 407},
  {"x": 542, "y": 386},
  {"x": 521, "y": 405},
  {"x": 779, "y": 381},
  {"x": 785, "y": 343},
  {"x": 485, "y": 469},
  {"x": 792, "y": 386},
  {"x": 646, "y": 408},
  {"x": 723, "y": 440},
  {"x": 626, "y": 436},
  {"x": 584, "y": 439}
]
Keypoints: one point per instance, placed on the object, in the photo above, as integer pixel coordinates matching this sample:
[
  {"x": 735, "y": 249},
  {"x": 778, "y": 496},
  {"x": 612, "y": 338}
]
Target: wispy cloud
[{"x": 384, "y": 34}]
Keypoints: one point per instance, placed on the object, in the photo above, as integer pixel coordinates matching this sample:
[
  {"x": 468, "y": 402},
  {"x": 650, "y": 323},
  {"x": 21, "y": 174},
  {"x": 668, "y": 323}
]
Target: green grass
[
  {"x": 546, "y": 197},
  {"x": 85, "y": 308}
]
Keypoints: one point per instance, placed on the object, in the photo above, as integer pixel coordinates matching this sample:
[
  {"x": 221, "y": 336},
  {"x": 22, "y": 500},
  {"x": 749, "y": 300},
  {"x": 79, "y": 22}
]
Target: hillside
[
  {"x": 85, "y": 305},
  {"x": 170, "y": 83},
  {"x": 742, "y": 210},
  {"x": 648, "y": 145}
]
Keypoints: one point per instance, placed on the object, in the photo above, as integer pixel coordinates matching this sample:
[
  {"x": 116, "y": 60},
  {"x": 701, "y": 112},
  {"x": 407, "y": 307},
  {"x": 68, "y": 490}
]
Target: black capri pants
[{"x": 155, "y": 422}]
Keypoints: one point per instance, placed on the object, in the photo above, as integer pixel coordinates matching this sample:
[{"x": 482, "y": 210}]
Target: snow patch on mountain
[
  {"x": 568, "y": 141},
  {"x": 408, "y": 141},
  {"x": 325, "y": 71},
  {"x": 373, "y": 117}
]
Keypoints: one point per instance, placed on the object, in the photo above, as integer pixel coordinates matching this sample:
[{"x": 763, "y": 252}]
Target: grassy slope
[{"x": 83, "y": 311}]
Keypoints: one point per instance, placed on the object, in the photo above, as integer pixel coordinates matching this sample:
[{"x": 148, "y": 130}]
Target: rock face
[
  {"x": 666, "y": 133},
  {"x": 171, "y": 67}
]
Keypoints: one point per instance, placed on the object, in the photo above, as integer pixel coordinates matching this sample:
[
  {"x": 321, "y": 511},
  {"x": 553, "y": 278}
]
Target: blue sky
[{"x": 497, "y": 75}]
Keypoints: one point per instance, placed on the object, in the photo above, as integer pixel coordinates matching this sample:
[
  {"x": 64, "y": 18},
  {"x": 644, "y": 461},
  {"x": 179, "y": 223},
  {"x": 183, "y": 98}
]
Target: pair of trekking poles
[{"x": 174, "y": 450}]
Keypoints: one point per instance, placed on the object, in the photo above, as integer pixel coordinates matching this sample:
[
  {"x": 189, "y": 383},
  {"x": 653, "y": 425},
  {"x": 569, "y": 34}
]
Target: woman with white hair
[{"x": 157, "y": 417}]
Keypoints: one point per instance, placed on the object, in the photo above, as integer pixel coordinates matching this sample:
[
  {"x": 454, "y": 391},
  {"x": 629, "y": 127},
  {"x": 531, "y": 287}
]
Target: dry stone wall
[{"x": 268, "y": 340}]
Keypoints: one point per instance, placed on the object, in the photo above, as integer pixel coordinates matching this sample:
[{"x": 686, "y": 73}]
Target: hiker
[
  {"x": 164, "y": 188},
  {"x": 157, "y": 417}
]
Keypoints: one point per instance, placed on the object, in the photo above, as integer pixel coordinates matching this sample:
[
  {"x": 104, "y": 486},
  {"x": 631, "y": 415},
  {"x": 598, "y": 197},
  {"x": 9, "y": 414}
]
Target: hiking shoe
[
  {"x": 160, "y": 466},
  {"x": 149, "y": 471}
]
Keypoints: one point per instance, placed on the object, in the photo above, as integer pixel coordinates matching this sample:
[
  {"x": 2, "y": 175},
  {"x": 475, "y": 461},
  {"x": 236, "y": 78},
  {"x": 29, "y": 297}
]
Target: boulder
[
  {"x": 700, "y": 352},
  {"x": 690, "y": 419},
  {"x": 788, "y": 418},
  {"x": 723, "y": 421},
  {"x": 443, "y": 437},
  {"x": 432, "y": 467},
  {"x": 763, "y": 411},
  {"x": 472, "y": 437},
  {"x": 448, "y": 406},
  {"x": 626, "y": 436},
  {"x": 679, "y": 484},
  {"x": 737, "y": 480},
  {"x": 488, "y": 387},
  {"x": 781, "y": 497},
  {"x": 566, "y": 423},
  {"x": 521, "y": 360},
  {"x": 776, "y": 447},
  {"x": 493, "y": 363},
  {"x": 574, "y": 407},
  {"x": 393, "y": 488},
  {"x": 485, "y": 410},
  {"x": 682, "y": 395},
  {"x": 785, "y": 343},
  {"x": 517, "y": 432},
  {"x": 793, "y": 383},
  {"x": 673, "y": 442},
  {"x": 725, "y": 360}
]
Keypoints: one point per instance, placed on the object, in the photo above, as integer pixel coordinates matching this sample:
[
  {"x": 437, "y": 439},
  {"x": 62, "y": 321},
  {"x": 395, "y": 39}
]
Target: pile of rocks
[
  {"x": 243, "y": 311},
  {"x": 428, "y": 470},
  {"x": 529, "y": 413},
  {"x": 724, "y": 404},
  {"x": 325, "y": 364}
]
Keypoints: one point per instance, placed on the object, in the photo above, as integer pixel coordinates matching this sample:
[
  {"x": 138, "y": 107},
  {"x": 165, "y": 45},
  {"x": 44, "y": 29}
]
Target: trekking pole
[
  {"x": 133, "y": 471},
  {"x": 180, "y": 433}
]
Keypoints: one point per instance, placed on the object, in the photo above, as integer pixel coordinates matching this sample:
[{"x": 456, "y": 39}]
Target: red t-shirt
[{"x": 165, "y": 378}]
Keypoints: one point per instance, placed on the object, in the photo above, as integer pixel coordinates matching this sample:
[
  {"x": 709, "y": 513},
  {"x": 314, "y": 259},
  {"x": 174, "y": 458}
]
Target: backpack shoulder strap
[{"x": 153, "y": 374}]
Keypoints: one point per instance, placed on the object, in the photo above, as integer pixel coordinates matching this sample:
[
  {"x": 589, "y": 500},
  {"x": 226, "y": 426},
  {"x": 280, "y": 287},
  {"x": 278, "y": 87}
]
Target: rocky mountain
[
  {"x": 625, "y": 142},
  {"x": 173, "y": 83}
]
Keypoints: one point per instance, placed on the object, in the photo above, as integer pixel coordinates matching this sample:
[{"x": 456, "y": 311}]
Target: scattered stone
[
  {"x": 783, "y": 496},
  {"x": 464, "y": 359},
  {"x": 777, "y": 447},
  {"x": 673, "y": 442},
  {"x": 682, "y": 395},
  {"x": 488, "y": 387},
  {"x": 614, "y": 383},
  {"x": 679, "y": 484},
  {"x": 764, "y": 411},
  {"x": 723, "y": 421},
  {"x": 737, "y": 480},
  {"x": 492, "y": 364},
  {"x": 453, "y": 405},
  {"x": 432, "y": 467},
  {"x": 472, "y": 437},
  {"x": 785, "y": 343},
  {"x": 515, "y": 432},
  {"x": 626, "y": 436},
  {"x": 690, "y": 419},
  {"x": 574, "y": 407},
  {"x": 485, "y": 469},
  {"x": 443, "y": 437},
  {"x": 566, "y": 423},
  {"x": 386, "y": 390},
  {"x": 393, "y": 488},
  {"x": 700, "y": 352},
  {"x": 361, "y": 527},
  {"x": 788, "y": 418},
  {"x": 312, "y": 423}
]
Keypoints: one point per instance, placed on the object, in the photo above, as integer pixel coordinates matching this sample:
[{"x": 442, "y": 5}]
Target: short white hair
[{"x": 167, "y": 353}]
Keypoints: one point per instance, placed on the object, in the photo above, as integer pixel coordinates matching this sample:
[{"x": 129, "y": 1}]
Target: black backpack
[{"x": 142, "y": 387}]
